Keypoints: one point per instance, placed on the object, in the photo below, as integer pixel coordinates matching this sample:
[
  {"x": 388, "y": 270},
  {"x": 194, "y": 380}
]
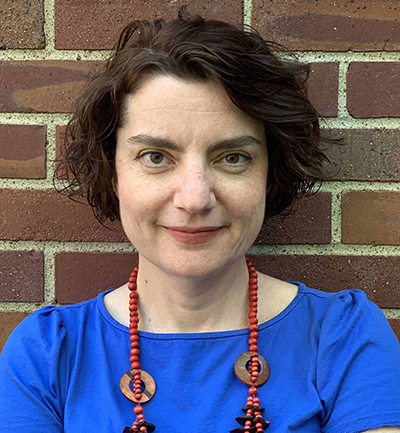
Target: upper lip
[{"x": 194, "y": 229}]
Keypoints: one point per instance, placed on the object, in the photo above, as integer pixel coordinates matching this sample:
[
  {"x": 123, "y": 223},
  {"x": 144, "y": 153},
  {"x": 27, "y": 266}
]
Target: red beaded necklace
[{"x": 250, "y": 367}]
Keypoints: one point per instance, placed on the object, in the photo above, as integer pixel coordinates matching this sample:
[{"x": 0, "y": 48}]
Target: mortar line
[
  {"x": 332, "y": 249},
  {"x": 34, "y": 118},
  {"x": 336, "y": 217},
  {"x": 50, "y": 152},
  {"x": 342, "y": 105},
  {"x": 391, "y": 313},
  {"x": 50, "y": 53},
  {"x": 49, "y": 275},
  {"x": 327, "y": 186},
  {"x": 342, "y": 122},
  {"x": 49, "y": 24},
  {"x": 247, "y": 9}
]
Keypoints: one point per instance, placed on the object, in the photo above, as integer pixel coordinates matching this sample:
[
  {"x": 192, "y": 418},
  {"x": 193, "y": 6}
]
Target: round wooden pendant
[
  {"x": 149, "y": 386},
  {"x": 242, "y": 373}
]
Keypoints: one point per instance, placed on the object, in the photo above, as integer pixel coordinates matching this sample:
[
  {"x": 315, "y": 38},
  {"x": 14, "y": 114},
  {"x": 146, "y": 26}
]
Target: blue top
[{"x": 335, "y": 368}]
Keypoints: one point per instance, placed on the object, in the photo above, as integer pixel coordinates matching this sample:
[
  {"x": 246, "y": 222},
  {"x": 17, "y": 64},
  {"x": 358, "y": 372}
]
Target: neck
[{"x": 175, "y": 304}]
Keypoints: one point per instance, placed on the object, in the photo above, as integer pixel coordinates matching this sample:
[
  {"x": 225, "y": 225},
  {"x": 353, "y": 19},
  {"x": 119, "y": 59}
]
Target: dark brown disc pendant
[
  {"x": 243, "y": 374},
  {"x": 149, "y": 386}
]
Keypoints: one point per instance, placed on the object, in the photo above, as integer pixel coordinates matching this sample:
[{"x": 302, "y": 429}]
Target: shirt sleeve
[
  {"x": 358, "y": 367},
  {"x": 32, "y": 375}
]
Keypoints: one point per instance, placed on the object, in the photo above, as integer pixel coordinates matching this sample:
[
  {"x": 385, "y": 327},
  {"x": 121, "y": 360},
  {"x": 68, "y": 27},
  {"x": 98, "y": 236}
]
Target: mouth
[{"x": 190, "y": 235}]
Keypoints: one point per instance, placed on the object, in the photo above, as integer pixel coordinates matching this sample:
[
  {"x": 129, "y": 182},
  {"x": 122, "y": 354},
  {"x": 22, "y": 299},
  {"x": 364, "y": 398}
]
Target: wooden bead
[
  {"x": 243, "y": 374},
  {"x": 138, "y": 410},
  {"x": 148, "y": 382},
  {"x": 253, "y": 348},
  {"x": 253, "y": 390}
]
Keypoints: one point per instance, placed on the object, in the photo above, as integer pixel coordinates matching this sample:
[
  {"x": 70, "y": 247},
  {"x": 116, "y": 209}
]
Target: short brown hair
[{"x": 259, "y": 82}]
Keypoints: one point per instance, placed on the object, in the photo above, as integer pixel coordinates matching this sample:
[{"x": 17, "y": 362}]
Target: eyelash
[{"x": 141, "y": 156}]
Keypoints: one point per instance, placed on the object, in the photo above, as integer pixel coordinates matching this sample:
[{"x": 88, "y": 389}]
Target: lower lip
[{"x": 193, "y": 238}]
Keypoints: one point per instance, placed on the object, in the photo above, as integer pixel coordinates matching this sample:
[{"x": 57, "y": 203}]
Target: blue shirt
[{"x": 335, "y": 368}]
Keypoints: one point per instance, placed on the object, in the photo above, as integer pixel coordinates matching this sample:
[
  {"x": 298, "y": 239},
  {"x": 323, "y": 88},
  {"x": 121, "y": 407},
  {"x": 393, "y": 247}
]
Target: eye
[
  {"x": 236, "y": 158},
  {"x": 153, "y": 158}
]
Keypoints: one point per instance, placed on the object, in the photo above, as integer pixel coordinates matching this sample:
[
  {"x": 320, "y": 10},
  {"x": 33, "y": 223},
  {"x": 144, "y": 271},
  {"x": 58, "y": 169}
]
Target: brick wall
[{"x": 52, "y": 250}]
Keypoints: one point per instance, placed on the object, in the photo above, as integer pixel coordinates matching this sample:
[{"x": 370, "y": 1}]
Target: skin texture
[{"x": 198, "y": 287}]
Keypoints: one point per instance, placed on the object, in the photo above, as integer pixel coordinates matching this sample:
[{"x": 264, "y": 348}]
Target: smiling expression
[{"x": 191, "y": 176}]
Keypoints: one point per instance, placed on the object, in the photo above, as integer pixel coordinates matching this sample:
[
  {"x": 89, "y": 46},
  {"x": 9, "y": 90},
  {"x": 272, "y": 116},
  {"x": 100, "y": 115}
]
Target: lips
[{"x": 190, "y": 235}]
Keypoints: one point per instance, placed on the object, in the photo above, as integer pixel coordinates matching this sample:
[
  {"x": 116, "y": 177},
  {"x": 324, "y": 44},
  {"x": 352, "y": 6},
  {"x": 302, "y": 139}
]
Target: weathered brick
[
  {"x": 373, "y": 89},
  {"x": 342, "y": 25},
  {"x": 310, "y": 223},
  {"x": 376, "y": 275},
  {"x": 86, "y": 25},
  {"x": 82, "y": 276},
  {"x": 21, "y": 276},
  {"x": 367, "y": 154},
  {"x": 23, "y": 151},
  {"x": 8, "y": 321},
  {"x": 323, "y": 87},
  {"x": 395, "y": 324},
  {"x": 371, "y": 217},
  {"x": 22, "y": 24},
  {"x": 43, "y": 85},
  {"x": 50, "y": 216}
]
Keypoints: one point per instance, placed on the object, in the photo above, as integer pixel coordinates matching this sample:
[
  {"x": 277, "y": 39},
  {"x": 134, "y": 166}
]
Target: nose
[{"x": 194, "y": 190}]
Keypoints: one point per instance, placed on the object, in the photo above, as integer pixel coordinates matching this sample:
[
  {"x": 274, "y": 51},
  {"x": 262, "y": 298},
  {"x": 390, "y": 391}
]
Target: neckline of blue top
[{"x": 201, "y": 335}]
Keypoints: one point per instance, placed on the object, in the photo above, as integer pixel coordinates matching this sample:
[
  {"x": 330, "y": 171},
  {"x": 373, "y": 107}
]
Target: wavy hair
[{"x": 258, "y": 81}]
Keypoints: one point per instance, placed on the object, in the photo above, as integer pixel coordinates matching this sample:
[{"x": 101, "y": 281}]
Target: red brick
[
  {"x": 373, "y": 89},
  {"x": 23, "y": 151},
  {"x": 395, "y": 324},
  {"x": 314, "y": 211},
  {"x": 323, "y": 88},
  {"x": 43, "y": 85},
  {"x": 86, "y": 25},
  {"x": 22, "y": 24},
  {"x": 60, "y": 137},
  {"x": 376, "y": 275},
  {"x": 21, "y": 276},
  {"x": 8, "y": 321},
  {"x": 82, "y": 276},
  {"x": 371, "y": 217},
  {"x": 341, "y": 25},
  {"x": 368, "y": 154},
  {"x": 49, "y": 216}
]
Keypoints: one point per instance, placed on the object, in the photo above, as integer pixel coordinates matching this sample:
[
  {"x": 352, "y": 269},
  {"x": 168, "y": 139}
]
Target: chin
[{"x": 192, "y": 264}]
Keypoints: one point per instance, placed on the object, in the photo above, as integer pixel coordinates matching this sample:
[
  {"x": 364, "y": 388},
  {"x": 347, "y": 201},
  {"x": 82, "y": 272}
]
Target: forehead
[
  {"x": 169, "y": 105},
  {"x": 167, "y": 92}
]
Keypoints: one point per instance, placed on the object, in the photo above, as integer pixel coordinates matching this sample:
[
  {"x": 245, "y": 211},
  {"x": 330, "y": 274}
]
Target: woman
[{"x": 193, "y": 135}]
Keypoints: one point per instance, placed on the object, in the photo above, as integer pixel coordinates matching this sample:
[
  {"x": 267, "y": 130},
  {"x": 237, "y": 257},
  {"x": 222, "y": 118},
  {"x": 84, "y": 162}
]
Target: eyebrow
[{"x": 164, "y": 143}]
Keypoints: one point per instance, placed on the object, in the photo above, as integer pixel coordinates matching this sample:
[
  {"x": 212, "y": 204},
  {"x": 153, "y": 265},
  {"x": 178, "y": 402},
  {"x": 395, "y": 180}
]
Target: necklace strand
[{"x": 253, "y": 421}]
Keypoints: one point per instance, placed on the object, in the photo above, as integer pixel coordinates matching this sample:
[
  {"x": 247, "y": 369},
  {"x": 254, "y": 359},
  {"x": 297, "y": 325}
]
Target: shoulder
[{"x": 49, "y": 327}]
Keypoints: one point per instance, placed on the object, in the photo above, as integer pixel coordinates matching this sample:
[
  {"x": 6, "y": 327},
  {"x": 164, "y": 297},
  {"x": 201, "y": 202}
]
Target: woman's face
[{"x": 191, "y": 176}]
